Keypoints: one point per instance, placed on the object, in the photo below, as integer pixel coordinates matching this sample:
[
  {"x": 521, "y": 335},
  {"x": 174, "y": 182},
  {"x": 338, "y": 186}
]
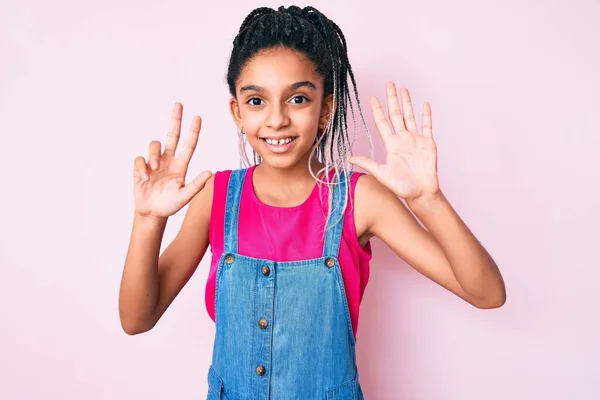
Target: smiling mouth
[{"x": 280, "y": 142}]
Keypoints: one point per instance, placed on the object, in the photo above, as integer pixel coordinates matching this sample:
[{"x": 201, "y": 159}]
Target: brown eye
[
  {"x": 254, "y": 101},
  {"x": 299, "y": 100}
]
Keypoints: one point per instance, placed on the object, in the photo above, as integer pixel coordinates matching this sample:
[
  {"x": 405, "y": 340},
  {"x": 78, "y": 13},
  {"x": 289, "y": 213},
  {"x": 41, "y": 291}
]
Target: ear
[
  {"x": 325, "y": 111},
  {"x": 234, "y": 108}
]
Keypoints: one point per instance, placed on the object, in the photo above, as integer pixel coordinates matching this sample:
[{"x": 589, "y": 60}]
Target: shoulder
[
  {"x": 214, "y": 185},
  {"x": 367, "y": 185},
  {"x": 212, "y": 197},
  {"x": 369, "y": 192},
  {"x": 201, "y": 204},
  {"x": 208, "y": 204},
  {"x": 372, "y": 201},
  {"x": 221, "y": 178}
]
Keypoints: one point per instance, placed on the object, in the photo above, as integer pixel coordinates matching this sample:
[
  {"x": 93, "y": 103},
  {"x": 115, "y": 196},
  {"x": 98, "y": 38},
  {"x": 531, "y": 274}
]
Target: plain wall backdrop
[{"x": 513, "y": 85}]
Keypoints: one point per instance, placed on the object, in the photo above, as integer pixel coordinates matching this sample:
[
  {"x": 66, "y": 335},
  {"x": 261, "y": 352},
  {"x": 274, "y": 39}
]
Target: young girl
[{"x": 290, "y": 235}]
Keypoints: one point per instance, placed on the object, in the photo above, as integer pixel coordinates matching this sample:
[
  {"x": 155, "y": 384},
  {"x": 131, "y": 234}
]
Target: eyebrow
[{"x": 294, "y": 86}]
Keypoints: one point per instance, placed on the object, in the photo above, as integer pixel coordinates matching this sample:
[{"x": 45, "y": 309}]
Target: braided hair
[{"x": 312, "y": 34}]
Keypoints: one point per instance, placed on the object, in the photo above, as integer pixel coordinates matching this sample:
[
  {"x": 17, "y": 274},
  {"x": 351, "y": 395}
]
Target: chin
[{"x": 283, "y": 162}]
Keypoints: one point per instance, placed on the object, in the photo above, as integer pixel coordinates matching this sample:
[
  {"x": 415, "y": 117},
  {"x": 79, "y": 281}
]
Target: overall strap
[
  {"x": 333, "y": 235},
  {"x": 232, "y": 209}
]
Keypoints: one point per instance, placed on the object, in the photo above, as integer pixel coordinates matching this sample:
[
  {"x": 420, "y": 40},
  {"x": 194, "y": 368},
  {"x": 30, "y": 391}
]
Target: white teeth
[{"x": 279, "y": 142}]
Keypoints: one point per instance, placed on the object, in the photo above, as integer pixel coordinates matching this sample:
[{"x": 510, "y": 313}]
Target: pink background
[{"x": 84, "y": 86}]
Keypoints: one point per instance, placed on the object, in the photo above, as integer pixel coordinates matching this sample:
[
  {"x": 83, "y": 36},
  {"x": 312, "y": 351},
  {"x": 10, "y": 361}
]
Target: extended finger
[
  {"x": 154, "y": 155},
  {"x": 394, "y": 109},
  {"x": 190, "y": 144},
  {"x": 427, "y": 122},
  {"x": 174, "y": 130},
  {"x": 381, "y": 122},
  {"x": 407, "y": 110}
]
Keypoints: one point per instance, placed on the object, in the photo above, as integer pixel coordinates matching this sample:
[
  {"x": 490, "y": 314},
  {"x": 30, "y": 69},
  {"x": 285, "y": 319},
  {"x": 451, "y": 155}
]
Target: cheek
[
  {"x": 308, "y": 118},
  {"x": 252, "y": 122}
]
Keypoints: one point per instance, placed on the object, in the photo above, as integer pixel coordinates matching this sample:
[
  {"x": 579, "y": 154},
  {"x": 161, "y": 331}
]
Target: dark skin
[{"x": 279, "y": 95}]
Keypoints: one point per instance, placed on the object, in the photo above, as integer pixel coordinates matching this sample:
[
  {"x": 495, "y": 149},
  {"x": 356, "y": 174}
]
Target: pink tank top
[{"x": 287, "y": 234}]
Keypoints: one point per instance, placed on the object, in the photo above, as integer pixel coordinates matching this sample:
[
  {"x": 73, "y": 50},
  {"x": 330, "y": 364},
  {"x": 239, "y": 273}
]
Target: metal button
[
  {"x": 263, "y": 323},
  {"x": 260, "y": 370},
  {"x": 266, "y": 270},
  {"x": 330, "y": 262},
  {"x": 229, "y": 259}
]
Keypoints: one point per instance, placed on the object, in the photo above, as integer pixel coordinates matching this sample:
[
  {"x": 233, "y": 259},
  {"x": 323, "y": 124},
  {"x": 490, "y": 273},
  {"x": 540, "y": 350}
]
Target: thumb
[
  {"x": 193, "y": 187},
  {"x": 367, "y": 164}
]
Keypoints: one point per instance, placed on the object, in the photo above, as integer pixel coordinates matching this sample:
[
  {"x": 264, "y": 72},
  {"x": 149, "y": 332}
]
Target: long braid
[
  {"x": 311, "y": 33},
  {"x": 338, "y": 133}
]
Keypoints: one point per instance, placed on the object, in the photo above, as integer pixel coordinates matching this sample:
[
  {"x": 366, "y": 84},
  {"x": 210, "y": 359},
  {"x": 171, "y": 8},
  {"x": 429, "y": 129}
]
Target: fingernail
[{"x": 153, "y": 164}]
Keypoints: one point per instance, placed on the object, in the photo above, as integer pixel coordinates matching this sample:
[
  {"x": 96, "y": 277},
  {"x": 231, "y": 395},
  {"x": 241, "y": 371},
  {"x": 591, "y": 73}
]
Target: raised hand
[
  {"x": 410, "y": 169},
  {"x": 159, "y": 182}
]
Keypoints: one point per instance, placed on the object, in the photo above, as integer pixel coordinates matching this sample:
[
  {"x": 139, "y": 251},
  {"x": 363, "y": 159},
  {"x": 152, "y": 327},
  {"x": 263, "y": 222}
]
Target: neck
[{"x": 282, "y": 177}]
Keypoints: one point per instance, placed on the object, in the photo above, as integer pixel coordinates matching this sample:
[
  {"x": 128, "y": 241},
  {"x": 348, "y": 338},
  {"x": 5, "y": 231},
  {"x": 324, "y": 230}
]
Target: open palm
[
  {"x": 410, "y": 169},
  {"x": 159, "y": 182}
]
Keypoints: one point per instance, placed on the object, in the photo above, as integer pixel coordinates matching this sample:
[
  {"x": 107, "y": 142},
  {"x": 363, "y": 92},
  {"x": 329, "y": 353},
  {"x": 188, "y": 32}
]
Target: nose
[{"x": 277, "y": 117}]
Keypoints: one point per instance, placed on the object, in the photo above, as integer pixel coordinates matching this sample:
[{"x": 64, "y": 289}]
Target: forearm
[
  {"x": 140, "y": 282},
  {"x": 473, "y": 267}
]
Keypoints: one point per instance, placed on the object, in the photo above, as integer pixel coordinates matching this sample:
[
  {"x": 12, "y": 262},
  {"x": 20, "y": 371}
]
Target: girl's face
[{"x": 280, "y": 106}]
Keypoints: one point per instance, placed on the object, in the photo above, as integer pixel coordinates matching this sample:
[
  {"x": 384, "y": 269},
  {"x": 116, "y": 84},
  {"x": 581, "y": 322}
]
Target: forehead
[{"x": 278, "y": 68}]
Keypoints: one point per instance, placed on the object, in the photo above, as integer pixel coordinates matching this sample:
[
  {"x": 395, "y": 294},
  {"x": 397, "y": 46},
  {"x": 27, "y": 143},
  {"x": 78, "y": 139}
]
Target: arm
[
  {"x": 445, "y": 252},
  {"x": 150, "y": 283}
]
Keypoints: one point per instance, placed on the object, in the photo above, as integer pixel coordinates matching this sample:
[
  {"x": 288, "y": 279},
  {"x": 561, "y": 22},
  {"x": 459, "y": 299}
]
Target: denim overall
[{"x": 283, "y": 329}]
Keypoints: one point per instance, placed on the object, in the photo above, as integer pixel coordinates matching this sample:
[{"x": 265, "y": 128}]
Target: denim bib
[{"x": 283, "y": 329}]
